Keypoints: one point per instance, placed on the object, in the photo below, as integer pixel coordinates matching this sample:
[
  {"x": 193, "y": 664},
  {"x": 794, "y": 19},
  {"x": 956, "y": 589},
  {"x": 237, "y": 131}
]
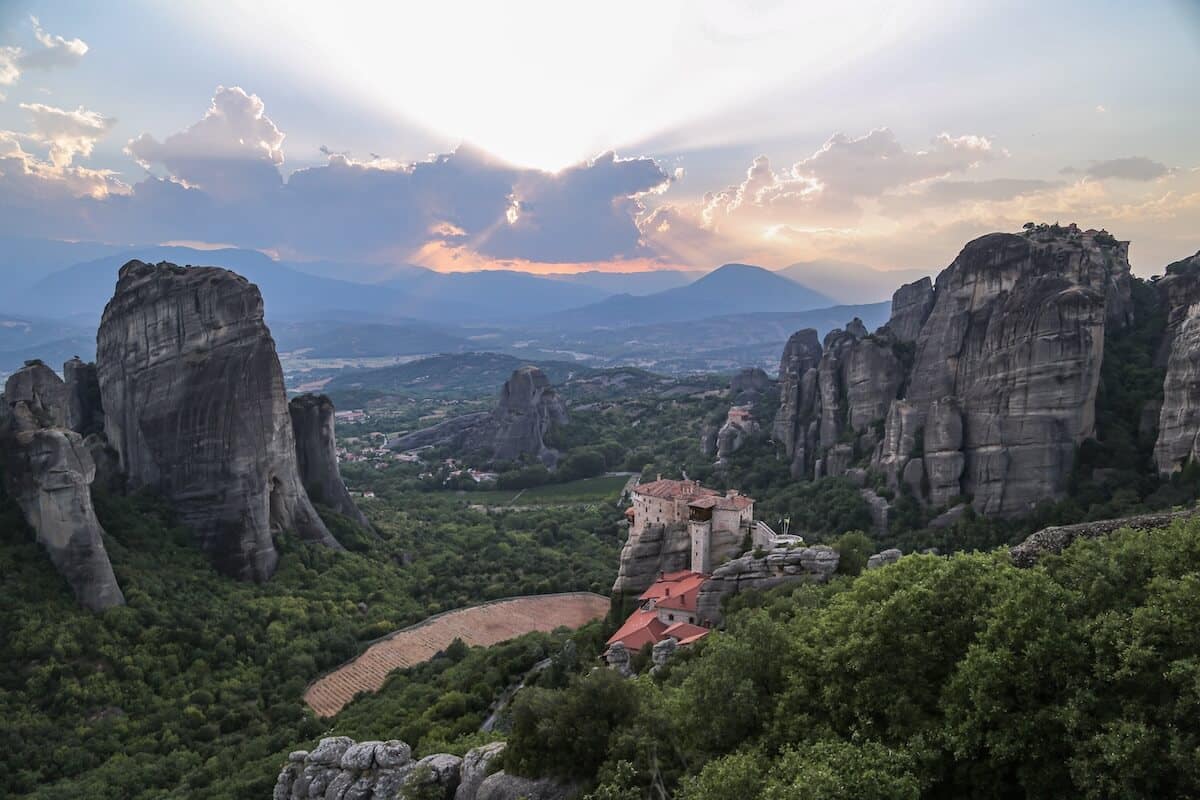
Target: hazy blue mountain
[
  {"x": 289, "y": 294},
  {"x": 635, "y": 283},
  {"x": 23, "y": 262},
  {"x": 730, "y": 289},
  {"x": 336, "y": 339},
  {"x": 847, "y": 282}
]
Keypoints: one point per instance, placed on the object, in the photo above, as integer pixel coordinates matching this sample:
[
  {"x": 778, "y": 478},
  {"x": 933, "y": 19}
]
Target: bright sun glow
[{"x": 549, "y": 84}]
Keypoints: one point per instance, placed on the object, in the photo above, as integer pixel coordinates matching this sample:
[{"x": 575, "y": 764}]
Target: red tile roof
[
  {"x": 685, "y": 632},
  {"x": 735, "y": 503},
  {"x": 642, "y": 628},
  {"x": 674, "y": 584},
  {"x": 672, "y": 490}
]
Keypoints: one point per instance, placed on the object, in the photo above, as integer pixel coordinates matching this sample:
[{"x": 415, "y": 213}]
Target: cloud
[
  {"x": 830, "y": 185},
  {"x": 938, "y": 194},
  {"x": 9, "y": 71},
  {"x": 544, "y": 219},
  {"x": 233, "y": 152},
  {"x": 1133, "y": 168},
  {"x": 67, "y": 133},
  {"x": 55, "y": 51}
]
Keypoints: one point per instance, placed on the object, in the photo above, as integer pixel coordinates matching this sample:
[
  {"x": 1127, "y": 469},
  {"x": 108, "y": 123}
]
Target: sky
[{"x": 623, "y": 136}]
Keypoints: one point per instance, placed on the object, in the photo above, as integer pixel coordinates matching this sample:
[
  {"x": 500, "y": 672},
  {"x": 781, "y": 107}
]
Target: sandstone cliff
[
  {"x": 1179, "y": 416},
  {"x": 49, "y": 472},
  {"x": 982, "y": 386},
  {"x": 527, "y": 408},
  {"x": 316, "y": 455},
  {"x": 195, "y": 407}
]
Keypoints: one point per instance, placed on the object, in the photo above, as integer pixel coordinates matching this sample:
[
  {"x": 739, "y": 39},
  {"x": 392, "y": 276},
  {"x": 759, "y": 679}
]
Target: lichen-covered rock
[
  {"x": 49, "y": 472},
  {"x": 476, "y": 766},
  {"x": 617, "y": 657},
  {"x": 316, "y": 455},
  {"x": 661, "y": 653},
  {"x": 528, "y": 407},
  {"x": 776, "y": 566},
  {"x": 1055, "y": 539},
  {"x": 502, "y": 786},
  {"x": 884, "y": 558},
  {"x": 195, "y": 408}
]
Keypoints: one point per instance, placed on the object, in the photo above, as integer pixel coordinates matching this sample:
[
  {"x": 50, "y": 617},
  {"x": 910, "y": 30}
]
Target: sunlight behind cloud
[{"x": 549, "y": 84}]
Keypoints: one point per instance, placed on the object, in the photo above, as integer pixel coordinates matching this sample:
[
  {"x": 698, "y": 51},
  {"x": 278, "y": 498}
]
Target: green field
[{"x": 605, "y": 488}]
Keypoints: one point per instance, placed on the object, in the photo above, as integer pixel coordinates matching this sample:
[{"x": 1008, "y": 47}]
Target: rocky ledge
[
  {"x": 341, "y": 769},
  {"x": 768, "y": 569},
  {"x": 1055, "y": 539}
]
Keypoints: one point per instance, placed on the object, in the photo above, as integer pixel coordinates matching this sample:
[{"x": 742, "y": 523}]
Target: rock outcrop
[
  {"x": 316, "y": 455},
  {"x": 776, "y": 566},
  {"x": 749, "y": 384},
  {"x": 795, "y": 426},
  {"x": 1178, "y": 419},
  {"x": 1055, "y": 539},
  {"x": 49, "y": 472},
  {"x": 341, "y": 769},
  {"x": 85, "y": 415},
  {"x": 195, "y": 408},
  {"x": 659, "y": 548},
  {"x": 981, "y": 386},
  {"x": 882, "y": 559},
  {"x": 527, "y": 408}
]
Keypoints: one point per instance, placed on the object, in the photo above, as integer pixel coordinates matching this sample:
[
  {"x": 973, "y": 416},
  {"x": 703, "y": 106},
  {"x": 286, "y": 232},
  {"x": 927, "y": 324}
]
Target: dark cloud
[
  {"x": 220, "y": 179},
  {"x": 1133, "y": 168}
]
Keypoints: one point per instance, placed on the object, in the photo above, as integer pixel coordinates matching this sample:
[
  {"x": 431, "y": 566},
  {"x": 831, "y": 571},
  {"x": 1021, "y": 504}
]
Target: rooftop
[
  {"x": 643, "y": 627},
  {"x": 674, "y": 584},
  {"x": 685, "y": 632},
  {"x": 667, "y": 489},
  {"x": 733, "y": 502}
]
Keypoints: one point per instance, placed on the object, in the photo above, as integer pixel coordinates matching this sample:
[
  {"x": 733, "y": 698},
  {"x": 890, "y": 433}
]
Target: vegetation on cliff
[{"x": 931, "y": 678}]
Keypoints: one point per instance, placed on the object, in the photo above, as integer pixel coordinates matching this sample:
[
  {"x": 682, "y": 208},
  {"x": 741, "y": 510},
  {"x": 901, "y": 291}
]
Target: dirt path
[{"x": 485, "y": 624}]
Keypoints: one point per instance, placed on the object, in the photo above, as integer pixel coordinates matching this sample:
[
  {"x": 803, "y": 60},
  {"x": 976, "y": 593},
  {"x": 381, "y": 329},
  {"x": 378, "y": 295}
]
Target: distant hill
[
  {"x": 634, "y": 283},
  {"x": 730, "y": 289},
  {"x": 325, "y": 339},
  {"x": 289, "y": 294},
  {"x": 847, "y": 282}
]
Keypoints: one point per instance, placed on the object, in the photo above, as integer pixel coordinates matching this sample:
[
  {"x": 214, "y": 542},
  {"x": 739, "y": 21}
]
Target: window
[{"x": 671, "y": 617}]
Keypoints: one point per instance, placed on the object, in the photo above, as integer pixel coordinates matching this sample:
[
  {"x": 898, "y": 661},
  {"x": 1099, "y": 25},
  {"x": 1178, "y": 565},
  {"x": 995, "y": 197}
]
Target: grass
[{"x": 606, "y": 488}]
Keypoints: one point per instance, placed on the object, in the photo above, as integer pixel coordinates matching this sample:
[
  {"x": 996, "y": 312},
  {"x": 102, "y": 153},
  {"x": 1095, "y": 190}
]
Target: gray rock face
[
  {"x": 777, "y": 566},
  {"x": 617, "y": 657},
  {"x": 797, "y": 399},
  {"x": 911, "y": 305},
  {"x": 195, "y": 407},
  {"x": 660, "y": 548},
  {"x": 340, "y": 769},
  {"x": 739, "y": 426},
  {"x": 662, "y": 652},
  {"x": 85, "y": 415},
  {"x": 1176, "y": 425},
  {"x": 1055, "y": 539},
  {"x": 527, "y": 408},
  {"x": 476, "y": 765},
  {"x": 1005, "y": 354},
  {"x": 316, "y": 455},
  {"x": 748, "y": 384},
  {"x": 884, "y": 558},
  {"x": 48, "y": 471},
  {"x": 502, "y": 786},
  {"x": 43, "y": 393}
]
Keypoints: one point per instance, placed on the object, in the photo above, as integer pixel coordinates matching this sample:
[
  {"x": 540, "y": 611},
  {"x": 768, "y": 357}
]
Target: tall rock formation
[
  {"x": 795, "y": 427},
  {"x": 195, "y": 407},
  {"x": 528, "y": 407},
  {"x": 85, "y": 415},
  {"x": 316, "y": 455},
  {"x": 49, "y": 472},
  {"x": 984, "y": 385}
]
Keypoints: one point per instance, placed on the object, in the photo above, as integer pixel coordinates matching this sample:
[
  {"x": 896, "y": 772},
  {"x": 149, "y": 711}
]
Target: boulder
[
  {"x": 617, "y": 657},
  {"x": 884, "y": 558},
  {"x": 476, "y": 766},
  {"x": 502, "y": 786},
  {"x": 316, "y": 455},
  {"x": 195, "y": 408}
]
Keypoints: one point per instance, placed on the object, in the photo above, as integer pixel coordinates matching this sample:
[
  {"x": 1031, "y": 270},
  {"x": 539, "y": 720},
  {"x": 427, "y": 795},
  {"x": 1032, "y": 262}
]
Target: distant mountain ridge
[{"x": 729, "y": 289}]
